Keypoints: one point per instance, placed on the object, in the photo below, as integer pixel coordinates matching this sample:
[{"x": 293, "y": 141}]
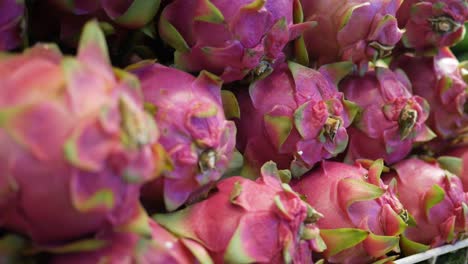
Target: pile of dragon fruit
[{"x": 241, "y": 131}]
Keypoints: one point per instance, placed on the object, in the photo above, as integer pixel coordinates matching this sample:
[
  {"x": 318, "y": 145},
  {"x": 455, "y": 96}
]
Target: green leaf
[
  {"x": 410, "y": 247},
  {"x": 209, "y": 13},
  {"x": 93, "y": 40},
  {"x": 452, "y": 164},
  {"x": 279, "y": 128},
  {"x": 236, "y": 191},
  {"x": 171, "y": 36},
  {"x": 355, "y": 190},
  {"x": 432, "y": 197},
  {"x": 230, "y": 104},
  {"x": 139, "y": 13},
  {"x": 235, "y": 252},
  {"x": 340, "y": 239},
  {"x": 255, "y": 5}
]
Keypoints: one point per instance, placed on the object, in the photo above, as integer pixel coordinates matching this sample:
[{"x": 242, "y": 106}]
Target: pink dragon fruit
[
  {"x": 11, "y": 15},
  {"x": 76, "y": 143},
  {"x": 231, "y": 38},
  {"x": 362, "y": 216},
  {"x": 295, "y": 117},
  {"x": 262, "y": 221},
  {"x": 194, "y": 131},
  {"x": 355, "y": 30},
  {"x": 439, "y": 80},
  {"x": 391, "y": 118},
  {"x": 436, "y": 203},
  {"x": 123, "y": 247},
  {"x": 126, "y": 13},
  {"x": 431, "y": 24}
]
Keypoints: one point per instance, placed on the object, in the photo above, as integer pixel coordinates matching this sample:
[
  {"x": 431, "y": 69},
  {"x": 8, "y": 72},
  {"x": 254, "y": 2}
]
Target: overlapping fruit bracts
[
  {"x": 462, "y": 153},
  {"x": 230, "y": 38},
  {"x": 355, "y": 30},
  {"x": 436, "y": 203},
  {"x": 439, "y": 80},
  {"x": 295, "y": 117},
  {"x": 431, "y": 24},
  {"x": 11, "y": 15},
  {"x": 362, "y": 216},
  {"x": 125, "y": 13},
  {"x": 198, "y": 139},
  {"x": 391, "y": 118},
  {"x": 161, "y": 248},
  {"x": 246, "y": 221},
  {"x": 75, "y": 141}
]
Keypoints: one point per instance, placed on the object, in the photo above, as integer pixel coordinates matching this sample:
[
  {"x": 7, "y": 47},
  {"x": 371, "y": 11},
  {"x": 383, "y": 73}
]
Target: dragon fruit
[
  {"x": 194, "y": 131},
  {"x": 437, "y": 205},
  {"x": 125, "y": 247},
  {"x": 432, "y": 24},
  {"x": 262, "y": 221},
  {"x": 126, "y": 13},
  {"x": 355, "y": 30},
  {"x": 439, "y": 80},
  {"x": 76, "y": 143},
  {"x": 391, "y": 118},
  {"x": 231, "y": 38},
  {"x": 295, "y": 117},
  {"x": 362, "y": 216},
  {"x": 11, "y": 15}
]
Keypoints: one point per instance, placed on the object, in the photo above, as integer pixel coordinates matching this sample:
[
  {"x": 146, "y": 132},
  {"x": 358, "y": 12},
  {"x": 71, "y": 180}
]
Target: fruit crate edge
[{"x": 432, "y": 254}]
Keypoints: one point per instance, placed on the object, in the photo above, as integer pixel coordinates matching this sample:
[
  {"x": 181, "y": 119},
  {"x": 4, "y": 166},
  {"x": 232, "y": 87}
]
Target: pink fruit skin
[
  {"x": 461, "y": 152},
  {"x": 283, "y": 118},
  {"x": 417, "y": 184},
  {"x": 415, "y": 17},
  {"x": 65, "y": 170},
  {"x": 439, "y": 80},
  {"x": 384, "y": 96},
  {"x": 229, "y": 38},
  {"x": 346, "y": 29},
  {"x": 11, "y": 15},
  {"x": 248, "y": 221},
  {"x": 190, "y": 116},
  {"x": 342, "y": 201},
  {"x": 125, "y": 248}
]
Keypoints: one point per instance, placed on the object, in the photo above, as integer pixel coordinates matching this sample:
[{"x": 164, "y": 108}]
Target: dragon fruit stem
[
  {"x": 406, "y": 122},
  {"x": 331, "y": 127},
  {"x": 444, "y": 24},
  {"x": 383, "y": 51},
  {"x": 207, "y": 160}
]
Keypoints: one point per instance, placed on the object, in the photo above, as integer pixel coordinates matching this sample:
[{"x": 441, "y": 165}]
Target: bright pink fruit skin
[
  {"x": 350, "y": 196},
  {"x": 194, "y": 130},
  {"x": 432, "y": 24},
  {"x": 384, "y": 97},
  {"x": 284, "y": 116},
  {"x": 355, "y": 30},
  {"x": 229, "y": 38},
  {"x": 126, "y": 248},
  {"x": 247, "y": 221},
  {"x": 436, "y": 201},
  {"x": 439, "y": 80},
  {"x": 11, "y": 15},
  {"x": 66, "y": 169}
]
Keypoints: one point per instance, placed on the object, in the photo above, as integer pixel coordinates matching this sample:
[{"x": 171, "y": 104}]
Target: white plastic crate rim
[{"x": 432, "y": 254}]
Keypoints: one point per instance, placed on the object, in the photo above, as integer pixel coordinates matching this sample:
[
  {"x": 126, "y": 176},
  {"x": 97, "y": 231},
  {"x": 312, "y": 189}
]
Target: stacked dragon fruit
[{"x": 242, "y": 131}]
